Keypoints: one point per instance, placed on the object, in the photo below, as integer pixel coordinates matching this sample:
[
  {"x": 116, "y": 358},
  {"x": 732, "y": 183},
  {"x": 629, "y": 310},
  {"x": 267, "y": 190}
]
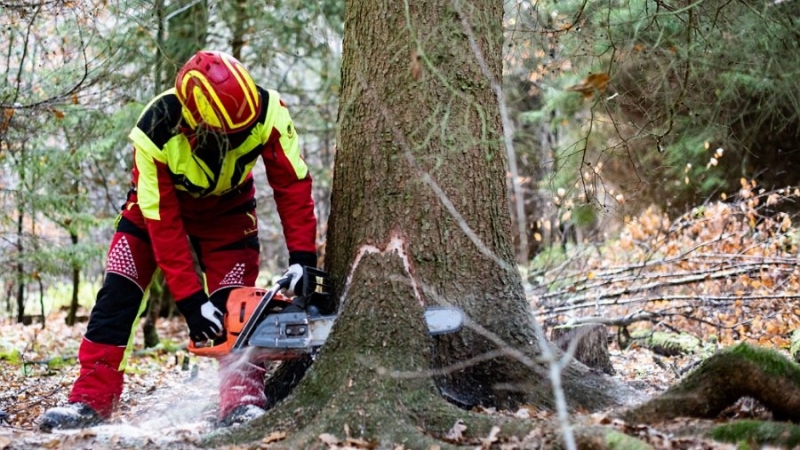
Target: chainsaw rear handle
[
  {"x": 216, "y": 350},
  {"x": 208, "y": 349},
  {"x": 244, "y": 336}
]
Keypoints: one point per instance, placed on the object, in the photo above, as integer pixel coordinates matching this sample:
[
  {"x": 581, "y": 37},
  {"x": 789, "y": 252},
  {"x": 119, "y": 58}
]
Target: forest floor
[
  {"x": 721, "y": 274},
  {"x": 169, "y": 398}
]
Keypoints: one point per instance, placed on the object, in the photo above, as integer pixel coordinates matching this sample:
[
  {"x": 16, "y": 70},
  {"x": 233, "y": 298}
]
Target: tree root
[
  {"x": 739, "y": 371},
  {"x": 781, "y": 434}
]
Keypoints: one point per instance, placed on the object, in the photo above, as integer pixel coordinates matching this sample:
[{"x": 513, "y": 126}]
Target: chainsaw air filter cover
[{"x": 242, "y": 302}]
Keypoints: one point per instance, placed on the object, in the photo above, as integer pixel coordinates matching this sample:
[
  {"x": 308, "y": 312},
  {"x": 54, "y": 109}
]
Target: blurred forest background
[{"x": 627, "y": 117}]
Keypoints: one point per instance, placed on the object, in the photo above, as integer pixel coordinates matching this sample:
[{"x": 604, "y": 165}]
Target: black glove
[
  {"x": 202, "y": 317},
  {"x": 298, "y": 261}
]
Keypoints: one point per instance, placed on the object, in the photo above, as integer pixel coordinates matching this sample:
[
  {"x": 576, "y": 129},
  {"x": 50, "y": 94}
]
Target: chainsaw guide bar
[{"x": 305, "y": 334}]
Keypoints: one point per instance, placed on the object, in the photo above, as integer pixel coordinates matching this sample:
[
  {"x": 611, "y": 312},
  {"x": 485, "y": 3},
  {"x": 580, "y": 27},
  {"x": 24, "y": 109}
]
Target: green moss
[
  {"x": 794, "y": 348},
  {"x": 769, "y": 360},
  {"x": 584, "y": 215},
  {"x": 12, "y": 356},
  {"x": 59, "y": 362},
  {"x": 668, "y": 343},
  {"x": 758, "y": 432},
  {"x": 683, "y": 340},
  {"x": 170, "y": 346},
  {"x": 621, "y": 441}
]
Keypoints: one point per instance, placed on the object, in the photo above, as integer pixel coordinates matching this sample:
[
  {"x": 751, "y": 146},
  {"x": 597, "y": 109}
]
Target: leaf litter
[
  {"x": 170, "y": 396},
  {"x": 169, "y": 399}
]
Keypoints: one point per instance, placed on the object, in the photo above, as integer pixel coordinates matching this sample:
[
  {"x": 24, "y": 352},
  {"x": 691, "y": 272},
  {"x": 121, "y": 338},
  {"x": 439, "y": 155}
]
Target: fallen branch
[
  {"x": 665, "y": 280},
  {"x": 718, "y": 299}
]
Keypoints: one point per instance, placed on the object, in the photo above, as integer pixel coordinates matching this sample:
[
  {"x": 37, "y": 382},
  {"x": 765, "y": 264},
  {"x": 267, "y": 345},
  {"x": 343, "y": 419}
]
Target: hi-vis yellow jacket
[{"x": 181, "y": 174}]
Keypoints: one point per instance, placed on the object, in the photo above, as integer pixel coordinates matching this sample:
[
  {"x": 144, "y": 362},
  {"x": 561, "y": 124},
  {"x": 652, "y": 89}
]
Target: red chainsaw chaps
[
  {"x": 242, "y": 302},
  {"x": 99, "y": 384},
  {"x": 241, "y": 382}
]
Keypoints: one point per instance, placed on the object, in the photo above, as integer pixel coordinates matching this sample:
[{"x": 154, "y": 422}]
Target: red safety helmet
[{"x": 217, "y": 92}]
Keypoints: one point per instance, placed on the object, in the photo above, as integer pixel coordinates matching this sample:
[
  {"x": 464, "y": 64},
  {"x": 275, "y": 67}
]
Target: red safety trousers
[
  {"x": 241, "y": 383},
  {"x": 227, "y": 259}
]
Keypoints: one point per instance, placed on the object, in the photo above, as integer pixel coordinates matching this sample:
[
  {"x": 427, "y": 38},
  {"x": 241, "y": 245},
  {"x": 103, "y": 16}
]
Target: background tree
[
  {"x": 75, "y": 78},
  {"x": 45, "y": 73},
  {"x": 645, "y": 102},
  {"x": 182, "y": 29}
]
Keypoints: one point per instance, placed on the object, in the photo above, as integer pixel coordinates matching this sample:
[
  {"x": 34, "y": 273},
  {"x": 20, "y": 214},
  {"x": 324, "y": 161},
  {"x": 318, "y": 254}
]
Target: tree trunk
[
  {"x": 158, "y": 71},
  {"x": 239, "y": 28},
  {"x": 421, "y": 166},
  {"x": 420, "y": 218},
  {"x": 76, "y": 284},
  {"x": 41, "y": 300},
  {"x": 589, "y": 344},
  {"x": 150, "y": 324},
  {"x": 159, "y": 304},
  {"x": 20, "y": 275},
  {"x": 187, "y": 30}
]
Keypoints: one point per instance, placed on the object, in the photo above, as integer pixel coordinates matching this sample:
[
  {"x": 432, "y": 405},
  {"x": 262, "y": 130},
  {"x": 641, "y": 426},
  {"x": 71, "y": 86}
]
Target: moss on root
[
  {"x": 771, "y": 361},
  {"x": 758, "y": 432},
  {"x": 621, "y": 441},
  {"x": 667, "y": 344}
]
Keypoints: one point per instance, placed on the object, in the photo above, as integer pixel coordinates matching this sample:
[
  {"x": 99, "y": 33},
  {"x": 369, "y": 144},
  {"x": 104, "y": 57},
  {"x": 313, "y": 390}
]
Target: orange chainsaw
[{"x": 281, "y": 328}]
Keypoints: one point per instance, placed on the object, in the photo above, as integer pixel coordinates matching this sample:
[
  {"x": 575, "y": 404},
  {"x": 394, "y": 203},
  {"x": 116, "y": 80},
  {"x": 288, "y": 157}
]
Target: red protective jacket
[{"x": 191, "y": 175}]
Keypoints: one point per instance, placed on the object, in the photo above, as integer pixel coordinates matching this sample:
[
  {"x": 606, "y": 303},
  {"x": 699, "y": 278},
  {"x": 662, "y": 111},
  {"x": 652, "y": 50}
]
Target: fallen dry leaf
[
  {"x": 52, "y": 443},
  {"x": 275, "y": 436},
  {"x": 360, "y": 443},
  {"x": 491, "y": 438},
  {"x": 329, "y": 439},
  {"x": 455, "y": 434},
  {"x": 594, "y": 82}
]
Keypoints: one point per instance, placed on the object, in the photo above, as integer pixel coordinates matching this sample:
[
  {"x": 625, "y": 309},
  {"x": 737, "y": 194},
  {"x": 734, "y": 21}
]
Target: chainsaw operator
[{"x": 193, "y": 193}]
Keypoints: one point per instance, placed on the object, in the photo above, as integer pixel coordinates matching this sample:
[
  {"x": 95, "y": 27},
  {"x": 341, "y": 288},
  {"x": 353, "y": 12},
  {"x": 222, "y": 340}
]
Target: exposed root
[{"x": 740, "y": 371}]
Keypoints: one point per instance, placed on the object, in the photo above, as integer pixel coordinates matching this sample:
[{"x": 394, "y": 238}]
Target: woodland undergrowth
[{"x": 724, "y": 271}]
